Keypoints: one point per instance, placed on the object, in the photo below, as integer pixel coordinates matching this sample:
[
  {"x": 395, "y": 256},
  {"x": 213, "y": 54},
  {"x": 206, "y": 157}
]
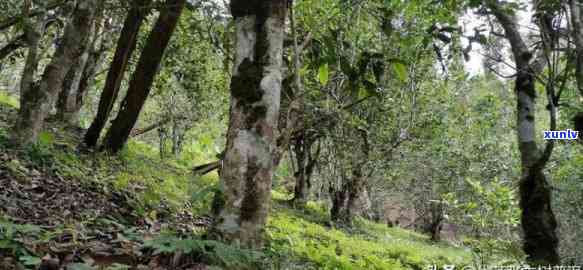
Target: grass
[
  {"x": 9, "y": 100},
  {"x": 299, "y": 240},
  {"x": 296, "y": 239}
]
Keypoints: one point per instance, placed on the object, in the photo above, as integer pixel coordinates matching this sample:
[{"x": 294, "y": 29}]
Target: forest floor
[{"x": 67, "y": 209}]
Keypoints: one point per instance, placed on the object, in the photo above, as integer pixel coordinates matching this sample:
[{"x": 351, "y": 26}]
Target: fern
[{"x": 209, "y": 250}]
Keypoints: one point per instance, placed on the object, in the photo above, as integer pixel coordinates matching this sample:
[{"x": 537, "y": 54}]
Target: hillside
[{"x": 90, "y": 211}]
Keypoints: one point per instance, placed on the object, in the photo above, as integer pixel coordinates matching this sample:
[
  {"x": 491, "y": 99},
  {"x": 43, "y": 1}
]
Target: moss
[
  {"x": 7, "y": 99},
  {"x": 218, "y": 202},
  {"x": 298, "y": 239},
  {"x": 245, "y": 85},
  {"x": 241, "y": 8},
  {"x": 251, "y": 204}
]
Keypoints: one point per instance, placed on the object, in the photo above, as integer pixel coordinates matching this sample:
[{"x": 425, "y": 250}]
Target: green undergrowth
[
  {"x": 156, "y": 185},
  {"x": 302, "y": 239},
  {"x": 8, "y": 100},
  {"x": 296, "y": 239}
]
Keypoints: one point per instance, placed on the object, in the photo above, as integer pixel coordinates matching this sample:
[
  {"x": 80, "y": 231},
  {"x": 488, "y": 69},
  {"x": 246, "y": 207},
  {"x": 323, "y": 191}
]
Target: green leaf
[
  {"x": 400, "y": 69},
  {"x": 323, "y": 74},
  {"x": 46, "y": 138},
  {"x": 30, "y": 260}
]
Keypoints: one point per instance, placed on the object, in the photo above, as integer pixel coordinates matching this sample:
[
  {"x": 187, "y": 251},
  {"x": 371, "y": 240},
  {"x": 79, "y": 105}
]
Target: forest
[{"x": 281, "y": 134}]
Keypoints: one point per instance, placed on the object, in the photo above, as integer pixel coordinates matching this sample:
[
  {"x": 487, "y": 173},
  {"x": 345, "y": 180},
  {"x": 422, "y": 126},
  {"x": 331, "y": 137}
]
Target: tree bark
[
  {"x": 32, "y": 32},
  {"x": 538, "y": 220},
  {"x": 77, "y": 79},
  {"x": 178, "y": 134},
  {"x": 306, "y": 162},
  {"x": 67, "y": 102},
  {"x": 126, "y": 44},
  {"x": 248, "y": 165},
  {"x": 577, "y": 32},
  {"x": 36, "y": 103},
  {"x": 339, "y": 203},
  {"x": 576, "y": 6},
  {"x": 143, "y": 77}
]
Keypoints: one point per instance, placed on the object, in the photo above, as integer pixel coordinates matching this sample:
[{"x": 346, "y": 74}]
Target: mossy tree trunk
[
  {"x": 352, "y": 199},
  {"x": 77, "y": 80},
  {"x": 538, "y": 220},
  {"x": 256, "y": 84},
  {"x": 38, "y": 101},
  {"x": 32, "y": 35},
  {"x": 126, "y": 45},
  {"x": 306, "y": 162},
  {"x": 576, "y": 7},
  {"x": 143, "y": 77}
]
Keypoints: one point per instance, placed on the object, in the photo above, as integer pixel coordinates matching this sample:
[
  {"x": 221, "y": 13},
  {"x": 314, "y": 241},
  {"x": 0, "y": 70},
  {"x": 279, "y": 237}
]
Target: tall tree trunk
[
  {"x": 67, "y": 102},
  {"x": 32, "y": 33},
  {"x": 143, "y": 77},
  {"x": 37, "y": 102},
  {"x": 77, "y": 79},
  {"x": 248, "y": 164},
  {"x": 577, "y": 32},
  {"x": 358, "y": 201},
  {"x": 576, "y": 7},
  {"x": 162, "y": 138},
  {"x": 178, "y": 133},
  {"x": 306, "y": 162},
  {"x": 126, "y": 44},
  {"x": 538, "y": 220},
  {"x": 301, "y": 149},
  {"x": 339, "y": 202},
  {"x": 354, "y": 189}
]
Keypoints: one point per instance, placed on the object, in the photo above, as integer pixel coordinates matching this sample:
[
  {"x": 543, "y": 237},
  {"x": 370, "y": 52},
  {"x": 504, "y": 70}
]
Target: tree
[
  {"x": 576, "y": 7},
  {"x": 76, "y": 82},
  {"x": 126, "y": 44},
  {"x": 143, "y": 77},
  {"x": 538, "y": 220},
  {"x": 37, "y": 101},
  {"x": 248, "y": 165}
]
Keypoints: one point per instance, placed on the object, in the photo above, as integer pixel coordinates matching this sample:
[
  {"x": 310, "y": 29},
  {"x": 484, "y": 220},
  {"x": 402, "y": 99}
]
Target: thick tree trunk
[
  {"x": 357, "y": 200},
  {"x": 36, "y": 103},
  {"x": 67, "y": 102},
  {"x": 248, "y": 164},
  {"x": 143, "y": 77},
  {"x": 77, "y": 79},
  {"x": 576, "y": 6},
  {"x": 538, "y": 220},
  {"x": 125, "y": 47},
  {"x": 577, "y": 32},
  {"x": 339, "y": 203},
  {"x": 301, "y": 149},
  {"x": 32, "y": 32}
]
